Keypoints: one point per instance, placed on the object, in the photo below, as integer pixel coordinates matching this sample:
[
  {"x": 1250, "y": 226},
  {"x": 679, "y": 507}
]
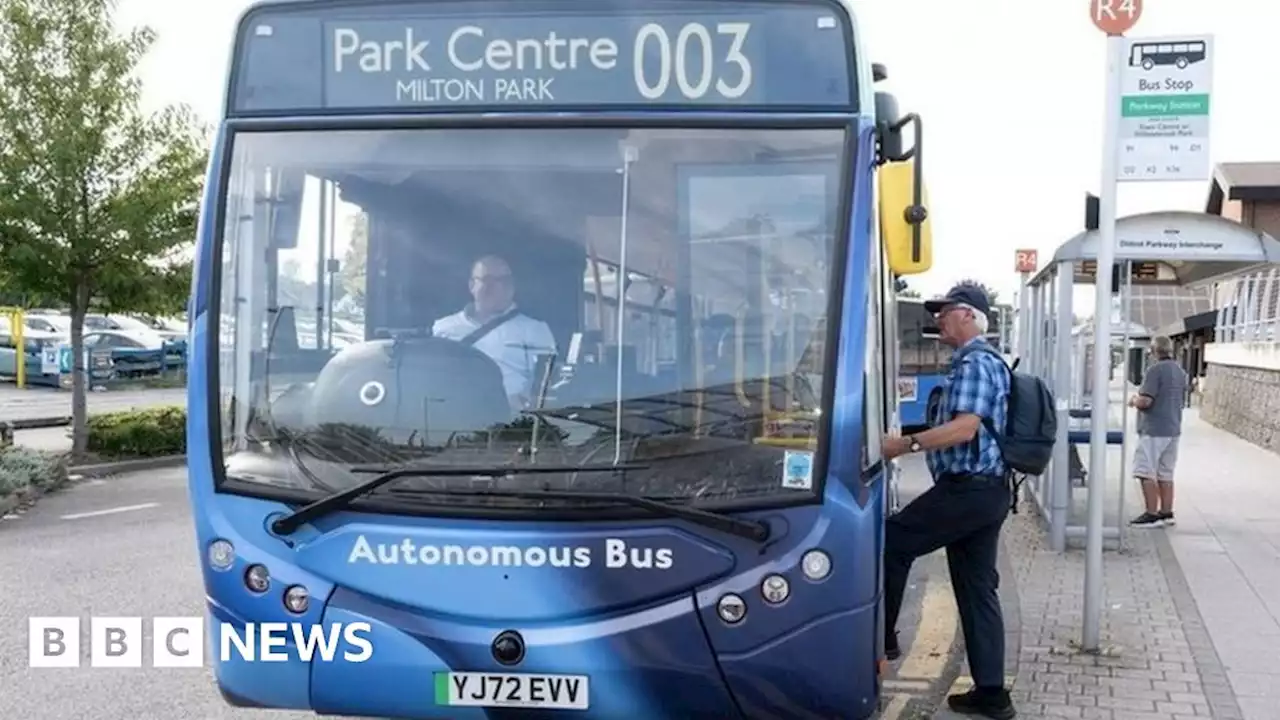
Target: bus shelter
[
  {"x": 1131, "y": 336},
  {"x": 1185, "y": 249}
]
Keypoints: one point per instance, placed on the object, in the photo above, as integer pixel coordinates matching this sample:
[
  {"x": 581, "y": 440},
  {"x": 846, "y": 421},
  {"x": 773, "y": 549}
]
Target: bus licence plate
[{"x": 471, "y": 689}]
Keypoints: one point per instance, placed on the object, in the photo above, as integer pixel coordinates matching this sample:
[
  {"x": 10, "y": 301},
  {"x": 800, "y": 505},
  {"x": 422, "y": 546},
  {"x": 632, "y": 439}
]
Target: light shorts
[{"x": 1155, "y": 458}]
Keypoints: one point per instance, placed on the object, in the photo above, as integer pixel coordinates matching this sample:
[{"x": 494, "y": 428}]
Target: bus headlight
[
  {"x": 731, "y": 609},
  {"x": 257, "y": 579},
  {"x": 222, "y": 555},
  {"x": 775, "y": 589},
  {"x": 816, "y": 565},
  {"x": 297, "y": 599}
]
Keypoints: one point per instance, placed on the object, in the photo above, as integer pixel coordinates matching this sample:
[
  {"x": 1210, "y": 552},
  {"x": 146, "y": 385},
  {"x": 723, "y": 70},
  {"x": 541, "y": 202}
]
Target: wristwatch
[{"x": 915, "y": 444}]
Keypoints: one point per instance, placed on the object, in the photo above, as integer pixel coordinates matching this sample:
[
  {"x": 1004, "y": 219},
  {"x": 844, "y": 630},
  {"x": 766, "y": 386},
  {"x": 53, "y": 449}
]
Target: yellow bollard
[
  {"x": 20, "y": 344},
  {"x": 17, "y": 332}
]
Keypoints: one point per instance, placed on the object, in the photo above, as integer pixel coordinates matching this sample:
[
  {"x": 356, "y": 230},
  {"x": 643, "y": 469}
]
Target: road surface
[
  {"x": 126, "y": 547},
  {"x": 39, "y": 402}
]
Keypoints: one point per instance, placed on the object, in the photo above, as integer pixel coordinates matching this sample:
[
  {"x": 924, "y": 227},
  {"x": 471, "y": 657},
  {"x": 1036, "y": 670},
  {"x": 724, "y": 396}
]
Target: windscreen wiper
[{"x": 750, "y": 529}]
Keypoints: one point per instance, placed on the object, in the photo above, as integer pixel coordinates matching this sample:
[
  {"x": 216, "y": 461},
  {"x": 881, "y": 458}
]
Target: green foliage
[
  {"x": 352, "y": 273},
  {"x": 154, "y": 432},
  {"x": 154, "y": 290},
  {"x": 992, "y": 295},
  {"x": 98, "y": 200},
  {"x": 24, "y": 469}
]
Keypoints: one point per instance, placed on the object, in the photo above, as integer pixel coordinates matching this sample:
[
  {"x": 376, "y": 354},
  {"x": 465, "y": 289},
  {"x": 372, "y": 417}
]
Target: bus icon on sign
[{"x": 1149, "y": 55}]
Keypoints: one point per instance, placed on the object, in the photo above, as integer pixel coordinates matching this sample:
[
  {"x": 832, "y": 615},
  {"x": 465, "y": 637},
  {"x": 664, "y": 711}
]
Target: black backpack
[{"x": 1031, "y": 425}]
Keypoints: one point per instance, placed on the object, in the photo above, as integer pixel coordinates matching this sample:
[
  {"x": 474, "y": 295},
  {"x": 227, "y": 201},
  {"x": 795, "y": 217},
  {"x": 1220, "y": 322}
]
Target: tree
[
  {"x": 992, "y": 295},
  {"x": 157, "y": 291},
  {"x": 353, "y": 264},
  {"x": 98, "y": 201}
]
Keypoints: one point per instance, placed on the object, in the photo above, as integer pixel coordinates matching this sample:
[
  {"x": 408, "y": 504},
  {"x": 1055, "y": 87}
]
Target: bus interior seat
[
  {"x": 782, "y": 341},
  {"x": 597, "y": 383},
  {"x": 284, "y": 352},
  {"x": 714, "y": 328},
  {"x": 284, "y": 331},
  {"x": 754, "y": 343}
]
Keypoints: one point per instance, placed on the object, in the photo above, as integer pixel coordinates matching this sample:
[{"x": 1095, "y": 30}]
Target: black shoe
[
  {"x": 994, "y": 704},
  {"x": 1167, "y": 519},
  {"x": 891, "y": 649},
  {"x": 1148, "y": 520}
]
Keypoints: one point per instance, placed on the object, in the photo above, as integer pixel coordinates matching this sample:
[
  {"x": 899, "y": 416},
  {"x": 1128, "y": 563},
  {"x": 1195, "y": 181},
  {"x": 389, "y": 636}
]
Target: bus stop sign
[
  {"x": 1026, "y": 261},
  {"x": 1115, "y": 17}
]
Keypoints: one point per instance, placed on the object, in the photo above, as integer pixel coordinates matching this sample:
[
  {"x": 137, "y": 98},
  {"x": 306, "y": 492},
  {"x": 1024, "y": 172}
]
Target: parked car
[
  {"x": 36, "y": 341},
  {"x": 48, "y": 323},
  {"x": 125, "y": 323},
  {"x": 135, "y": 352}
]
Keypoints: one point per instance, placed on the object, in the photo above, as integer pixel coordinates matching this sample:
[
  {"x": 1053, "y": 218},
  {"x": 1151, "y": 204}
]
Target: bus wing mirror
[
  {"x": 905, "y": 226},
  {"x": 888, "y": 133}
]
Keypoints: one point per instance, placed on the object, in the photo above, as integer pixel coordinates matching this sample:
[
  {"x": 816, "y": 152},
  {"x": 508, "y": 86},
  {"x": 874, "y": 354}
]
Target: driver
[{"x": 514, "y": 342}]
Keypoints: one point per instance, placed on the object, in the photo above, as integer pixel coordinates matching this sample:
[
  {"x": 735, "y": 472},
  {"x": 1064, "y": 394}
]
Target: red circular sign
[{"x": 1115, "y": 17}]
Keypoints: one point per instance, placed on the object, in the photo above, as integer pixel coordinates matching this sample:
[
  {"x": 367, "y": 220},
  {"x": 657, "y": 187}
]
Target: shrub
[
  {"x": 26, "y": 469},
  {"x": 153, "y": 432}
]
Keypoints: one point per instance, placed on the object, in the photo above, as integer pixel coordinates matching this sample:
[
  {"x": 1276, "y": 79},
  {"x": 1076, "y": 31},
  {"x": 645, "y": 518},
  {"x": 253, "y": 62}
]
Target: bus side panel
[
  {"x": 825, "y": 667},
  {"x": 247, "y": 683},
  {"x": 204, "y": 330},
  {"x": 832, "y": 658},
  {"x": 915, "y": 413}
]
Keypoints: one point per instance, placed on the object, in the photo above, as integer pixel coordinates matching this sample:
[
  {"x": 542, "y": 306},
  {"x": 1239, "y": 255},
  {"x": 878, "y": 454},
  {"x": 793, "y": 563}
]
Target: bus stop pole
[
  {"x": 1024, "y": 320},
  {"x": 1126, "y": 303},
  {"x": 1063, "y": 377},
  {"x": 1102, "y": 350}
]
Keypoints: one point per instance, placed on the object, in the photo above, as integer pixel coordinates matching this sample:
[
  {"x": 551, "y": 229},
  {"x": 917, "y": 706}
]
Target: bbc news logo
[{"x": 179, "y": 642}]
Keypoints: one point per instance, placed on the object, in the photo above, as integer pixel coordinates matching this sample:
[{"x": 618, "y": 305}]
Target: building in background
[{"x": 1241, "y": 384}]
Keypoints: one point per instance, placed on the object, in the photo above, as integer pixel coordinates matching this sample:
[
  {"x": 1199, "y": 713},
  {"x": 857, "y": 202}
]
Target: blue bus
[
  {"x": 606, "y": 443},
  {"x": 923, "y": 363}
]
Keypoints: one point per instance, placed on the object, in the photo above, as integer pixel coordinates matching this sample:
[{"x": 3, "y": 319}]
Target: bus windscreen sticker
[
  {"x": 752, "y": 55},
  {"x": 797, "y": 470}
]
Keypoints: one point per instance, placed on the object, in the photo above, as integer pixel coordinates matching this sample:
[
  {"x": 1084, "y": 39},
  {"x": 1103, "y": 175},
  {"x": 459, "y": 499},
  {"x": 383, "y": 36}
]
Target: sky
[{"x": 1011, "y": 93}]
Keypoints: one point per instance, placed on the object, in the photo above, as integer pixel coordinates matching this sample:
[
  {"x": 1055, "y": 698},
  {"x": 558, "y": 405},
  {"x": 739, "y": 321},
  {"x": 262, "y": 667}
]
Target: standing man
[
  {"x": 1159, "y": 402},
  {"x": 967, "y": 505}
]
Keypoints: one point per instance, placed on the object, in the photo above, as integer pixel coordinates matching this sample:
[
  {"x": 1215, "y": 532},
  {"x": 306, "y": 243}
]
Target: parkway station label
[{"x": 1164, "y": 109}]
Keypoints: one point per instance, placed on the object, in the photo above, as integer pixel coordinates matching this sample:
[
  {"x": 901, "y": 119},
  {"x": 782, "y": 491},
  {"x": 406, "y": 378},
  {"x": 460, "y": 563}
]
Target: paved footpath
[
  {"x": 1191, "y": 625},
  {"x": 42, "y": 402}
]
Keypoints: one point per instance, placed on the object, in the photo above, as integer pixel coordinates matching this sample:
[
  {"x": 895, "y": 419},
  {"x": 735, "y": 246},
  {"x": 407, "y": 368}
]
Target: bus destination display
[{"x": 786, "y": 56}]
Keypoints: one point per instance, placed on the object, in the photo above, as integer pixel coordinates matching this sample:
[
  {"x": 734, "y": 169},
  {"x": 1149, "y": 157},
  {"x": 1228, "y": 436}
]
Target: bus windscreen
[{"x": 467, "y": 56}]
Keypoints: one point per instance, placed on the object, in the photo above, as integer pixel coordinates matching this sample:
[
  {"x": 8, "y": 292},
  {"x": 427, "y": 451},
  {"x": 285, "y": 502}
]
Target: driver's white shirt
[{"x": 514, "y": 345}]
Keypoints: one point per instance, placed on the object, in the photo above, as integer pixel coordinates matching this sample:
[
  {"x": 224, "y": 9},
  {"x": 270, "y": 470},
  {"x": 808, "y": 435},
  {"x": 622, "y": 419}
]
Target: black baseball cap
[{"x": 970, "y": 295}]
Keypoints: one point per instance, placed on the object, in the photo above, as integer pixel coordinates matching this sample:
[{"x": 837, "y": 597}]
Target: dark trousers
[{"x": 963, "y": 514}]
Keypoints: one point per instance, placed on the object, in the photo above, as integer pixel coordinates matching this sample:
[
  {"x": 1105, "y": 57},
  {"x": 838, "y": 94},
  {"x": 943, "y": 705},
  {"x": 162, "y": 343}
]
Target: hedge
[
  {"x": 25, "y": 473},
  {"x": 154, "y": 432}
]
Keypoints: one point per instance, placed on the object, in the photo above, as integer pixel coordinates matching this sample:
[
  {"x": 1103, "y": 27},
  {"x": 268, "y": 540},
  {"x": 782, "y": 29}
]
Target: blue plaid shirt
[{"x": 977, "y": 384}]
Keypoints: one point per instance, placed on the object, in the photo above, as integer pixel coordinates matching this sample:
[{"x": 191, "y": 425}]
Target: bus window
[{"x": 420, "y": 231}]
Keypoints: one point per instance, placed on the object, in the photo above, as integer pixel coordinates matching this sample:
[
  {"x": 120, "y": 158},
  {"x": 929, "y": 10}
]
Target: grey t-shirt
[{"x": 1166, "y": 385}]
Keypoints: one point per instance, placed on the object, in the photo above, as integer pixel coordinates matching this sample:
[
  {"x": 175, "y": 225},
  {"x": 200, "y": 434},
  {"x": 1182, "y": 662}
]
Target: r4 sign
[{"x": 1115, "y": 17}]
